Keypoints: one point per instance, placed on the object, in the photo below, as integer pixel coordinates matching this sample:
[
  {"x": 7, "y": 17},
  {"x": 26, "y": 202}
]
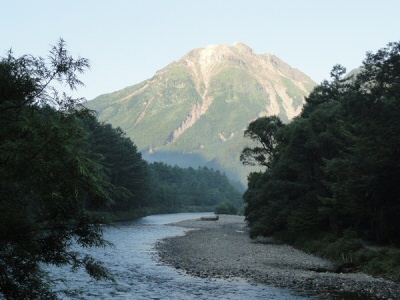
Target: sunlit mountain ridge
[{"x": 195, "y": 110}]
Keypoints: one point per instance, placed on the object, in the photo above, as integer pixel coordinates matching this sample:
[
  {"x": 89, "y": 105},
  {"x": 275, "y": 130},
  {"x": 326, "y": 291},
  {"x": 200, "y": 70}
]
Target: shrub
[{"x": 226, "y": 208}]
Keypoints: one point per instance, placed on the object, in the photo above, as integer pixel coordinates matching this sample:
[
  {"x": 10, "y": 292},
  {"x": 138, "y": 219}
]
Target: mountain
[{"x": 195, "y": 110}]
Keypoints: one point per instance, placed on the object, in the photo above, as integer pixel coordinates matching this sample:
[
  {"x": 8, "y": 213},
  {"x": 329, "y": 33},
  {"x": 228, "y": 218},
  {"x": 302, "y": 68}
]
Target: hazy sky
[{"x": 128, "y": 41}]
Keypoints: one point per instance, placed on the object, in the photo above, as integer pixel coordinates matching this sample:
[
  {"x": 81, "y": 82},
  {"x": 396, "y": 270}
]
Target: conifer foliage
[{"x": 336, "y": 167}]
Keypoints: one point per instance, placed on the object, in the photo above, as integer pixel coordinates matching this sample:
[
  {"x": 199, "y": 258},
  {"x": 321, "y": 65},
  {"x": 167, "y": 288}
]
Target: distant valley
[{"x": 195, "y": 110}]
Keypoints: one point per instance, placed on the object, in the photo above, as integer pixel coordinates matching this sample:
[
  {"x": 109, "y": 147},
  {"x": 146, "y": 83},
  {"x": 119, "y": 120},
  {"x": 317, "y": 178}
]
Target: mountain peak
[
  {"x": 202, "y": 103},
  {"x": 239, "y": 46},
  {"x": 220, "y": 52},
  {"x": 243, "y": 47}
]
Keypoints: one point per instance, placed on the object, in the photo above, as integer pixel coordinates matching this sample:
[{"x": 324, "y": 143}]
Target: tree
[
  {"x": 335, "y": 167},
  {"x": 123, "y": 164},
  {"x": 264, "y": 131},
  {"x": 47, "y": 175},
  {"x": 177, "y": 188},
  {"x": 226, "y": 208},
  {"x": 368, "y": 174}
]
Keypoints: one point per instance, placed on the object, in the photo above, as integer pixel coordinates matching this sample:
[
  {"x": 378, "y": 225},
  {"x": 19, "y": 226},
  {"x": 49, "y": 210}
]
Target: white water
[{"x": 139, "y": 275}]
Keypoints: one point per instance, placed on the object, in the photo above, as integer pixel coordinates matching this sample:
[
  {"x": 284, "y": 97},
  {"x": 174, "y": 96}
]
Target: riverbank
[
  {"x": 137, "y": 213},
  {"x": 223, "y": 249}
]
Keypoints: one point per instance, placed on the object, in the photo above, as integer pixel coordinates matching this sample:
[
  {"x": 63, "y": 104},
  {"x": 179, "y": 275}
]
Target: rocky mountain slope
[{"x": 195, "y": 110}]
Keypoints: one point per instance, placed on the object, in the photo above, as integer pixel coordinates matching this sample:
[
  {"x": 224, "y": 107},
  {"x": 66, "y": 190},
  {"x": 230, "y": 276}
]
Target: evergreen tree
[
  {"x": 336, "y": 166},
  {"x": 179, "y": 188},
  {"x": 122, "y": 163}
]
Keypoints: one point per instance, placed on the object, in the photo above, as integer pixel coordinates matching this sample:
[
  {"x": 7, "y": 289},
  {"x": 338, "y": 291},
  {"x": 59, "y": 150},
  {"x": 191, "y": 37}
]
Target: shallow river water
[{"x": 139, "y": 275}]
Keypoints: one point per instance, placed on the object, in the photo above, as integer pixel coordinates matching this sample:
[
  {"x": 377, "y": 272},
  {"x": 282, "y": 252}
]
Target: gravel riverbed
[{"x": 223, "y": 249}]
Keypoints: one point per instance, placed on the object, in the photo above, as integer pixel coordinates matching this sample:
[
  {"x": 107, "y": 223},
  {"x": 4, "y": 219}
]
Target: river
[{"x": 139, "y": 275}]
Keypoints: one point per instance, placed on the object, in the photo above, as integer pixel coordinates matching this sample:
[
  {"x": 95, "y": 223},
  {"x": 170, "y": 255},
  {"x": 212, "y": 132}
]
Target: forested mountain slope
[{"x": 197, "y": 108}]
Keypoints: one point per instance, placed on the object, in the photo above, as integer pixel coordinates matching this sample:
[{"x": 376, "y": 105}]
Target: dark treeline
[
  {"x": 333, "y": 172},
  {"x": 62, "y": 171},
  {"x": 143, "y": 188},
  {"x": 189, "y": 188},
  {"x": 121, "y": 163}
]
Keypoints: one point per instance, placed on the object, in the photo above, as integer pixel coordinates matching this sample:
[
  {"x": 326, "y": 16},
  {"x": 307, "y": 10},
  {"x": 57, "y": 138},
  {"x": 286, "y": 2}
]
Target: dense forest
[
  {"x": 64, "y": 174},
  {"x": 331, "y": 175},
  {"x": 157, "y": 187},
  {"x": 201, "y": 189}
]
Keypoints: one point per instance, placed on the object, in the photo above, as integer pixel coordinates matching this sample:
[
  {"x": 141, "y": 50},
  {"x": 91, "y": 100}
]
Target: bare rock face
[{"x": 201, "y": 104}]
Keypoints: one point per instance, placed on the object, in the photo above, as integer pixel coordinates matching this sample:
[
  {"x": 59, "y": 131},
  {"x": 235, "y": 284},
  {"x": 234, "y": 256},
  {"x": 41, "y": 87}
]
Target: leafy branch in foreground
[{"x": 47, "y": 175}]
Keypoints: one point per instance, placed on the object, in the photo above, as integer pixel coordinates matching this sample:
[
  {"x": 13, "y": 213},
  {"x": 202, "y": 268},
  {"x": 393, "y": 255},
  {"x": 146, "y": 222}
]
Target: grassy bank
[{"x": 350, "y": 254}]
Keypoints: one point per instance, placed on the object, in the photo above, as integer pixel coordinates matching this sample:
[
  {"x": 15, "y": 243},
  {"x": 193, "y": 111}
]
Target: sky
[{"x": 127, "y": 41}]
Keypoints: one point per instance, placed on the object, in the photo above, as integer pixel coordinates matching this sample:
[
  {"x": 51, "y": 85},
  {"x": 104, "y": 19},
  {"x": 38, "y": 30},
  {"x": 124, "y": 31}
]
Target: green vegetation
[
  {"x": 226, "y": 208},
  {"x": 239, "y": 88},
  {"x": 64, "y": 175},
  {"x": 47, "y": 175},
  {"x": 294, "y": 92},
  {"x": 331, "y": 178},
  {"x": 152, "y": 188},
  {"x": 188, "y": 189},
  {"x": 350, "y": 254},
  {"x": 122, "y": 165}
]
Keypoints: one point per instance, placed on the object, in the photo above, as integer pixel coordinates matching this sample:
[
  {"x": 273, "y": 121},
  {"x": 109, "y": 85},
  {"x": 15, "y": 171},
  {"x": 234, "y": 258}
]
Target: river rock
[{"x": 223, "y": 249}]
